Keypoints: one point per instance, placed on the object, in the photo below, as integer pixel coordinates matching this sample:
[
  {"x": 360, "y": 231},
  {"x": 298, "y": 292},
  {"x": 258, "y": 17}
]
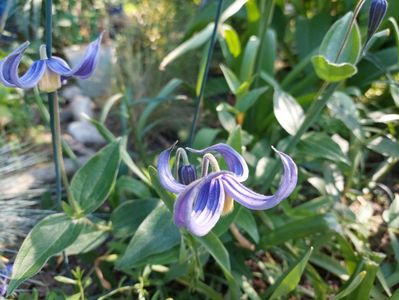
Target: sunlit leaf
[{"x": 288, "y": 112}]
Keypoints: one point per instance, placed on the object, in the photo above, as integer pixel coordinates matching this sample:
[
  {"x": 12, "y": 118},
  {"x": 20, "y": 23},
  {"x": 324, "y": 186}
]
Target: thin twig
[{"x": 205, "y": 75}]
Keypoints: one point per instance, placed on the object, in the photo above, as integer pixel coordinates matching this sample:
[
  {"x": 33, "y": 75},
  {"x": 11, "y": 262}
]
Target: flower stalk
[
  {"x": 205, "y": 75},
  {"x": 54, "y": 110}
]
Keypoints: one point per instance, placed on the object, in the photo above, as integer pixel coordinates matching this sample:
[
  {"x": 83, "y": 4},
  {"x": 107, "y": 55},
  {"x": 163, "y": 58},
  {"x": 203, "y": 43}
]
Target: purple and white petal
[
  {"x": 165, "y": 174},
  {"x": 9, "y": 70},
  {"x": 86, "y": 66},
  {"x": 255, "y": 201},
  {"x": 235, "y": 162},
  {"x": 199, "y": 207}
]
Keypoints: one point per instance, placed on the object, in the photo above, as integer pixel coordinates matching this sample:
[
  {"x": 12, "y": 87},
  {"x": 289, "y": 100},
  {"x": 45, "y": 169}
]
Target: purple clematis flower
[
  {"x": 201, "y": 203},
  {"x": 48, "y": 73}
]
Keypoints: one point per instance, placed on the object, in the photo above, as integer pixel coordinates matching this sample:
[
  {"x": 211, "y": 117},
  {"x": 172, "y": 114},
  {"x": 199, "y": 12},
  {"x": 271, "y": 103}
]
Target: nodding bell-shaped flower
[
  {"x": 47, "y": 73},
  {"x": 201, "y": 203},
  {"x": 5, "y": 273},
  {"x": 378, "y": 8}
]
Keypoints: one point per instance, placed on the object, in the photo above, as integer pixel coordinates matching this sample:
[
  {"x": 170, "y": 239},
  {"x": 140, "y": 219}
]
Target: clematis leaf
[
  {"x": 155, "y": 235},
  {"x": 288, "y": 112},
  {"x": 354, "y": 282},
  {"x": 49, "y": 237},
  {"x": 93, "y": 182},
  {"x": 123, "y": 225},
  {"x": 89, "y": 238},
  {"x": 291, "y": 278},
  {"x": 334, "y": 63},
  {"x": 249, "y": 58},
  {"x": 332, "y": 72}
]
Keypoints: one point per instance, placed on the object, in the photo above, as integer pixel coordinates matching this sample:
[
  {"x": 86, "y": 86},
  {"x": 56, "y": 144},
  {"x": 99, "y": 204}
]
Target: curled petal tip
[
  {"x": 165, "y": 174},
  {"x": 233, "y": 159}
]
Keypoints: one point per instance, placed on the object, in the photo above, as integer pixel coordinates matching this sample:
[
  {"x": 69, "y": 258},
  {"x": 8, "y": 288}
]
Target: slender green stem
[
  {"x": 266, "y": 10},
  {"x": 52, "y": 103},
  {"x": 58, "y": 146},
  {"x": 60, "y": 174},
  {"x": 349, "y": 30},
  {"x": 49, "y": 27},
  {"x": 205, "y": 75},
  {"x": 44, "y": 114},
  {"x": 56, "y": 158}
]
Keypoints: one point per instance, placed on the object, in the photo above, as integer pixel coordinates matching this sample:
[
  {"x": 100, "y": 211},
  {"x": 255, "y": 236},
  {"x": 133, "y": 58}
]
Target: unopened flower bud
[
  {"x": 187, "y": 174},
  {"x": 378, "y": 8}
]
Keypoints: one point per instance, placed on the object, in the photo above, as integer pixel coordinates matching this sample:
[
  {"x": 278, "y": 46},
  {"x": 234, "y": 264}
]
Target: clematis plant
[
  {"x": 201, "y": 202},
  {"x": 47, "y": 73}
]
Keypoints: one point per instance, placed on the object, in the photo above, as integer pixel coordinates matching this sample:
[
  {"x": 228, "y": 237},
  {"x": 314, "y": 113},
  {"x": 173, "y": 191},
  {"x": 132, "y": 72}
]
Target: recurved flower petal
[
  {"x": 9, "y": 70},
  {"x": 199, "y": 207},
  {"x": 235, "y": 162},
  {"x": 165, "y": 174},
  {"x": 255, "y": 201},
  {"x": 86, "y": 66}
]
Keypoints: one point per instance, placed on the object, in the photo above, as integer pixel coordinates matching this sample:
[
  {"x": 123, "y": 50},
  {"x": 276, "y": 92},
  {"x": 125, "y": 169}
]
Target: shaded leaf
[
  {"x": 92, "y": 183},
  {"x": 156, "y": 234},
  {"x": 49, "y": 237},
  {"x": 128, "y": 216}
]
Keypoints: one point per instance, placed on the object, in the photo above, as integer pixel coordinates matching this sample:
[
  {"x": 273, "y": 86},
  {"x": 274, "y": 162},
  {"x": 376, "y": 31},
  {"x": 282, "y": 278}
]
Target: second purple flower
[{"x": 202, "y": 202}]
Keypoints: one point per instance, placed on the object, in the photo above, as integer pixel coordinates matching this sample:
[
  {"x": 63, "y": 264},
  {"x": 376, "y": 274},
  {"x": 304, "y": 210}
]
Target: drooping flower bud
[
  {"x": 378, "y": 8},
  {"x": 50, "y": 81},
  {"x": 187, "y": 174}
]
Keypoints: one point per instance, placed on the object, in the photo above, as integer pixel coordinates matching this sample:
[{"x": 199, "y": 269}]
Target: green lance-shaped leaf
[
  {"x": 93, "y": 182},
  {"x": 291, "y": 278},
  {"x": 333, "y": 64},
  {"x": 353, "y": 284},
  {"x": 249, "y": 58},
  {"x": 49, "y": 237},
  {"x": 155, "y": 235}
]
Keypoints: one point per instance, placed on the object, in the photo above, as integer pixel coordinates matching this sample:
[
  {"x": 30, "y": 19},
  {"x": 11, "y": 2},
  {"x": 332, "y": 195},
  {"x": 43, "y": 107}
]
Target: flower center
[{"x": 50, "y": 81}]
